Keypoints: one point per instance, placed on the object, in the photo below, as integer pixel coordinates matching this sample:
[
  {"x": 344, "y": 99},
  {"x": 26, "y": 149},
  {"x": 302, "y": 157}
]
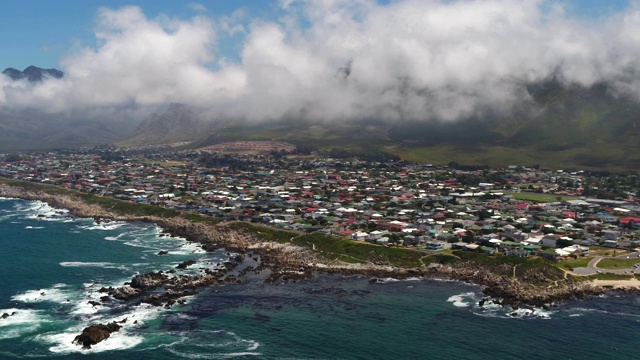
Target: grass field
[
  {"x": 535, "y": 197},
  {"x": 164, "y": 163},
  {"x": 605, "y": 251},
  {"x": 605, "y": 276},
  {"x": 572, "y": 264},
  {"x": 617, "y": 264}
]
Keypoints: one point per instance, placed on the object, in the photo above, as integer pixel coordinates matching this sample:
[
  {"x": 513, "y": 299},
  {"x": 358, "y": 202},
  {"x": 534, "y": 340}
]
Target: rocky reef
[
  {"x": 95, "y": 333},
  {"x": 286, "y": 262}
]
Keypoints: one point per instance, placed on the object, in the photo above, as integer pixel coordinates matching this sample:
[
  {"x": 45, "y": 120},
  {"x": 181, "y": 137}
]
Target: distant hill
[
  {"x": 33, "y": 129},
  {"x": 560, "y": 126},
  {"x": 179, "y": 122},
  {"x": 30, "y": 129},
  {"x": 33, "y": 73}
]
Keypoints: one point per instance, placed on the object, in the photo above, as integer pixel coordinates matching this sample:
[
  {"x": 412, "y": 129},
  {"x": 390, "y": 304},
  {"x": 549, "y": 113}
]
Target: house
[
  {"x": 360, "y": 236},
  {"x": 549, "y": 254},
  {"x": 610, "y": 234},
  {"x": 516, "y": 252},
  {"x": 435, "y": 245},
  {"x": 550, "y": 241},
  {"x": 471, "y": 247}
]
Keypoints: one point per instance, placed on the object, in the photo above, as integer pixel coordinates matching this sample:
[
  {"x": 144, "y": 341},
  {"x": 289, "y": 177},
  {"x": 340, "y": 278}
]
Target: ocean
[{"x": 52, "y": 265}]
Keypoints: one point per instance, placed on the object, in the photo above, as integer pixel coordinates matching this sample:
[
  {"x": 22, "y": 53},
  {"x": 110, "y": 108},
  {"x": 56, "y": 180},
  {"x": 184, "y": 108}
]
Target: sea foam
[
  {"x": 462, "y": 300},
  {"x": 20, "y": 322},
  {"x": 59, "y": 293}
]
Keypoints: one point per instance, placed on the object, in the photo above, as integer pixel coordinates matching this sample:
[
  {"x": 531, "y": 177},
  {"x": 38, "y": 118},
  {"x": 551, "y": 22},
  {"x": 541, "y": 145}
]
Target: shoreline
[{"x": 287, "y": 262}]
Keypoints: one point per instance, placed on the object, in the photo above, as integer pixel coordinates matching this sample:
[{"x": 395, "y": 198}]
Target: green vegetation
[
  {"x": 110, "y": 204},
  {"x": 266, "y": 233},
  {"x": 121, "y": 207},
  {"x": 606, "y": 276},
  {"x": 535, "y": 197},
  {"x": 164, "y": 163},
  {"x": 440, "y": 258},
  {"x": 334, "y": 248},
  {"x": 606, "y": 251},
  {"x": 31, "y": 186},
  {"x": 617, "y": 264},
  {"x": 539, "y": 266},
  {"x": 523, "y": 266},
  {"x": 353, "y": 252},
  {"x": 575, "y": 263}
]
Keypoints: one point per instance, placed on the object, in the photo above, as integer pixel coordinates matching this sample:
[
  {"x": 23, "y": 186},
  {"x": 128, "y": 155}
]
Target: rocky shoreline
[{"x": 286, "y": 262}]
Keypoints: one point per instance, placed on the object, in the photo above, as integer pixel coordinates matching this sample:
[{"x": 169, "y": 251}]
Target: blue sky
[
  {"x": 42, "y": 32},
  {"x": 327, "y": 59}
]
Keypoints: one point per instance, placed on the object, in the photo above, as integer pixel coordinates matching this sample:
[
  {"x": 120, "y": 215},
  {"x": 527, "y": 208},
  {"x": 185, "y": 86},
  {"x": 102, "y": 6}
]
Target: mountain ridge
[
  {"x": 32, "y": 73},
  {"x": 559, "y": 126}
]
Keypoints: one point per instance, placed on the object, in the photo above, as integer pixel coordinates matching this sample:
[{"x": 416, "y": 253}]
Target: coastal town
[{"x": 516, "y": 211}]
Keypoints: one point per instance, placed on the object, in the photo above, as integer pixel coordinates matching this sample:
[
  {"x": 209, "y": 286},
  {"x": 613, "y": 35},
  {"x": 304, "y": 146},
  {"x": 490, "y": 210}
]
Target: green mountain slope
[{"x": 561, "y": 127}]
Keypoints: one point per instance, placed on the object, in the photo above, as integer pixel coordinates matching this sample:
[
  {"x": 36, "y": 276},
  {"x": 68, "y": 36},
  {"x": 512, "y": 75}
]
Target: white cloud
[
  {"x": 197, "y": 7},
  {"x": 339, "y": 59}
]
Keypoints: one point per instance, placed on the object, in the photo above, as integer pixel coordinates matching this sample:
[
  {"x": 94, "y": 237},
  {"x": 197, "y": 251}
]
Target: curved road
[{"x": 592, "y": 268}]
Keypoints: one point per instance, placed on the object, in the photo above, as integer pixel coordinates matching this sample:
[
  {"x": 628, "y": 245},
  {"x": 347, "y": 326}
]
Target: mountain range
[
  {"x": 560, "y": 126},
  {"x": 33, "y": 73}
]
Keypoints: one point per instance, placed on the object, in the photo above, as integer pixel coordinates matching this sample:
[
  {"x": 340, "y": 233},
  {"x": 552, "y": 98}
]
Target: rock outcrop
[
  {"x": 95, "y": 333},
  {"x": 290, "y": 263},
  {"x": 149, "y": 281}
]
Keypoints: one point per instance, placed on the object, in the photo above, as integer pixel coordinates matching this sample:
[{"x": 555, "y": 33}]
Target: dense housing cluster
[{"x": 518, "y": 211}]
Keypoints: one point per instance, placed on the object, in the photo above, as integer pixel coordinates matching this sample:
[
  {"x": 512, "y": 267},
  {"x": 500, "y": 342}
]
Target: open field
[
  {"x": 164, "y": 163},
  {"x": 606, "y": 251},
  {"x": 617, "y": 264},
  {"x": 542, "y": 198},
  {"x": 576, "y": 263}
]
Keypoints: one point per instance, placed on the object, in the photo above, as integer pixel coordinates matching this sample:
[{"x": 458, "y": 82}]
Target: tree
[
  {"x": 394, "y": 238},
  {"x": 12, "y": 158}
]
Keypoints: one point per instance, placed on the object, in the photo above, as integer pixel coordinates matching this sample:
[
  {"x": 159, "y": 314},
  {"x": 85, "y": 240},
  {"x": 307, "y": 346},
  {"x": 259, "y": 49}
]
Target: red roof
[{"x": 627, "y": 220}]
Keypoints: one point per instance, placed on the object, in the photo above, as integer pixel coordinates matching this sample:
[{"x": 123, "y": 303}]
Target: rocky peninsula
[{"x": 513, "y": 284}]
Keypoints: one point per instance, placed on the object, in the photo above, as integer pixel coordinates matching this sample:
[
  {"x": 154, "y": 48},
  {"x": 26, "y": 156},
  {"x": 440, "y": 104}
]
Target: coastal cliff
[{"x": 514, "y": 284}]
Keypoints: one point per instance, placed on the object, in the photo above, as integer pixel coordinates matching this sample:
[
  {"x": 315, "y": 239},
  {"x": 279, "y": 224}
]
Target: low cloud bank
[{"x": 339, "y": 60}]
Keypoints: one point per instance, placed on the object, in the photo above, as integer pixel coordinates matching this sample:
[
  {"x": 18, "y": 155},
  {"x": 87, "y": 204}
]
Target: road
[{"x": 592, "y": 268}]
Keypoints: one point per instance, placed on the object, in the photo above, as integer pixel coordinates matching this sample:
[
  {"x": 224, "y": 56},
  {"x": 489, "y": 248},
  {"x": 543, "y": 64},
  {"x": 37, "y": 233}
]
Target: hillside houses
[{"x": 395, "y": 203}]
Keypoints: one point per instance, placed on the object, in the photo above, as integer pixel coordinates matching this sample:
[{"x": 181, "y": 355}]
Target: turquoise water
[{"x": 52, "y": 266}]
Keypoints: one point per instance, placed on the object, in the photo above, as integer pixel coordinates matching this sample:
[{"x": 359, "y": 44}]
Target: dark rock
[
  {"x": 94, "y": 303},
  {"x": 149, "y": 280},
  {"x": 185, "y": 264},
  {"x": 5, "y": 315},
  {"x": 95, "y": 333},
  {"x": 162, "y": 252},
  {"x": 209, "y": 247},
  {"x": 167, "y": 299},
  {"x": 125, "y": 293},
  {"x": 33, "y": 73}
]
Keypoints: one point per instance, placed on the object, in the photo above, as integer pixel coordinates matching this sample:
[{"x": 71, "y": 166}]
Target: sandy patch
[{"x": 619, "y": 284}]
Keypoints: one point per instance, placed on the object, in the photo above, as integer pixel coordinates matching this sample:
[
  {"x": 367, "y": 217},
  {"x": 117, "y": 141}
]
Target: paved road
[{"x": 592, "y": 268}]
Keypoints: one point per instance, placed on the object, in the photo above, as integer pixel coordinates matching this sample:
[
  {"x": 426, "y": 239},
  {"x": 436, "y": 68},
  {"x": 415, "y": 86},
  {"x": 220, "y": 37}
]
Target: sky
[{"x": 322, "y": 59}]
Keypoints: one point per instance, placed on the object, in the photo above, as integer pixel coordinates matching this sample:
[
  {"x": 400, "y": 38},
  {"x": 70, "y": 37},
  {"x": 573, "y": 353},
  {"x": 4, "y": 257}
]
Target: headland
[{"x": 290, "y": 256}]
